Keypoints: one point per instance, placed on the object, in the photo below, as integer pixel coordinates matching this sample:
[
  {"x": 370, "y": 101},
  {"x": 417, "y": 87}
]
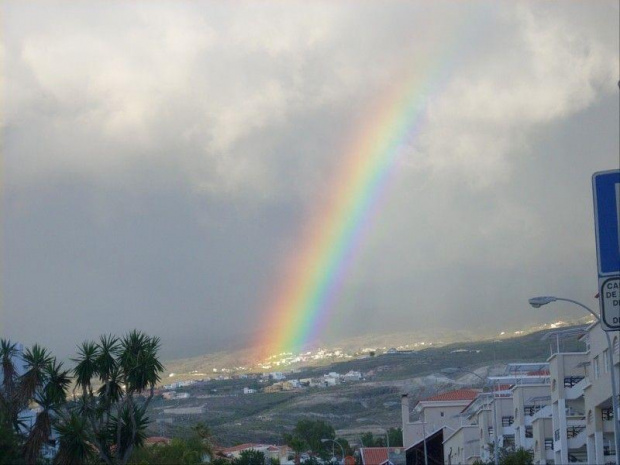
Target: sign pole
[{"x": 606, "y": 193}]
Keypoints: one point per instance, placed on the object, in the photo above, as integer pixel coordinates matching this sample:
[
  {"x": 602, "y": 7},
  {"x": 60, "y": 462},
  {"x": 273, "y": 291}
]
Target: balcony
[
  {"x": 570, "y": 381},
  {"x": 576, "y": 436},
  {"x": 544, "y": 412},
  {"x": 531, "y": 410},
  {"x": 574, "y": 386},
  {"x": 574, "y": 413}
]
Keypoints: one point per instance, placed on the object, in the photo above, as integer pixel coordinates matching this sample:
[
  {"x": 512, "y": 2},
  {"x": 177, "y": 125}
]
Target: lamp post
[
  {"x": 537, "y": 302},
  {"x": 424, "y": 439},
  {"x": 335, "y": 442},
  {"x": 495, "y": 435}
]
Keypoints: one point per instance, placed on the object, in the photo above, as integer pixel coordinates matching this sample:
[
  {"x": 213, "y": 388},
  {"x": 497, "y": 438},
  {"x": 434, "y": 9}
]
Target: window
[
  {"x": 589, "y": 417},
  {"x": 616, "y": 346},
  {"x": 607, "y": 414},
  {"x": 441, "y": 414},
  {"x": 596, "y": 367},
  {"x": 553, "y": 385},
  {"x": 606, "y": 360},
  {"x": 529, "y": 431}
]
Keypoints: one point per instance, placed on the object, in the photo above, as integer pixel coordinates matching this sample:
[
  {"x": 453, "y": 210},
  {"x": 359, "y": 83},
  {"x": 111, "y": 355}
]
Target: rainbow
[{"x": 308, "y": 292}]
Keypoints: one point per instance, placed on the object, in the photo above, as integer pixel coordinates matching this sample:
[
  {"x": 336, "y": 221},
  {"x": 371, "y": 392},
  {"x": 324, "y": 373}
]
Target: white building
[
  {"x": 434, "y": 413},
  {"x": 597, "y": 395},
  {"x": 352, "y": 376}
]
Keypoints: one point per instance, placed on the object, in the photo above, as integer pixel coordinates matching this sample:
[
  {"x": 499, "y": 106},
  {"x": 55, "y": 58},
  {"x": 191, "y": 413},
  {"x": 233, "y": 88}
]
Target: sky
[{"x": 161, "y": 161}]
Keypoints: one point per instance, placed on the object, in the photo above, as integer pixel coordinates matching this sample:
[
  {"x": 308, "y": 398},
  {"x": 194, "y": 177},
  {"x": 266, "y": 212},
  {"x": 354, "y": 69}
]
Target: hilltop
[
  {"x": 234, "y": 362},
  {"x": 369, "y": 404}
]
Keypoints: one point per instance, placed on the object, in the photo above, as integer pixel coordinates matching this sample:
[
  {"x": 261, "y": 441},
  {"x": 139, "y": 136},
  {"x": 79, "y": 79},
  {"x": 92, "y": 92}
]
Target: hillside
[{"x": 351, "y": 407}]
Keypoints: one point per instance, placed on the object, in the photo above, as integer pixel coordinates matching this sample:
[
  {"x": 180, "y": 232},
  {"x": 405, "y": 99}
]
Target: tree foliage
[
  {"x": 189, "y": 451},
  {"x": 116, "y": 378},
  {"x": 42, "y": 382},
  {"x": 312, "y": 432}
]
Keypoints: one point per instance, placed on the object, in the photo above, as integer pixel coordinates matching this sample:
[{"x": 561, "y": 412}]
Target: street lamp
[
  {"x": 537, "y": 302},
  {"x": 335, "y": 442},
  {"x": 495, "y": 435}
]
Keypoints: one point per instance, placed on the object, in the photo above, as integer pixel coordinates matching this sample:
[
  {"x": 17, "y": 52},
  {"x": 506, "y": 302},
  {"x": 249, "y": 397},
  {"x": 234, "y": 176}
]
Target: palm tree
[
  {"x": 49, "y": 394},
  {"x": 297, "y": 444},
  {"x": 36, "y": 361},
  {"x": 109, "y": 423},
  {"x": 44, "y": 382},
  {"x": 9, "y": 353},
  {"x": 128, "y": 370},
  {"x": 75, "y": 441}
]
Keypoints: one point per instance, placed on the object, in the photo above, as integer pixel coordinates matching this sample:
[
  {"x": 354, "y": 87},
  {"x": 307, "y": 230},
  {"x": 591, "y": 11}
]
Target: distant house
[
  {"x": 352, "y": 376},
  {"x": 155, "y": 440},
  {"x": 247, "y": 390},
  {"x": 271, "y": 452},
  {"x": 277, "y": 387},
  {"x": 170, "y": 395}
]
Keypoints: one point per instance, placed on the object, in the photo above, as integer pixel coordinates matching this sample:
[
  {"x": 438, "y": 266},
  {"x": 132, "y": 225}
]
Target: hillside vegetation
[{"x": 353, "y": 407}]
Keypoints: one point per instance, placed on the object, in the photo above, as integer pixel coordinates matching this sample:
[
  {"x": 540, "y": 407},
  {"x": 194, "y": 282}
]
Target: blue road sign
[{"x": 606, "y": 187}]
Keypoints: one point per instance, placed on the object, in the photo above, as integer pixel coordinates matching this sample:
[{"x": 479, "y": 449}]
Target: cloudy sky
[{"x": 161, "y": 161}]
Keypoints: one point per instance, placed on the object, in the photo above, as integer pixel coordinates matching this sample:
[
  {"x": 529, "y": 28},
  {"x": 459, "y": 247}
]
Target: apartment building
[
  {"x": 424, "y": 437},
  {"x": 508, "y": 410},
  {"x": 568, "y": 380},
  {"x": 527, "y": 401},
  {"x": 542, "y": 436},
  {"x": 462, "y": 445},
  {"x": 434, "y": 413},
  {"x": 599, "y": 424}
]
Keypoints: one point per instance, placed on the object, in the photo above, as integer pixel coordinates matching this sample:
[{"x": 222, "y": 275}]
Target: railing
[
  {"x": 571, "y": 412},
  {"x": 509, "y": 441},
  {"x": 573, "y": 431},
  {"x": 570, "y": 381},
  {"x": 507, "y": 421},
  {"x": 530, "y": 410},
  {"x": 607, "y": 414},
  {"x": 607, "y": 450},
  {"x": 549, "y": 442}
]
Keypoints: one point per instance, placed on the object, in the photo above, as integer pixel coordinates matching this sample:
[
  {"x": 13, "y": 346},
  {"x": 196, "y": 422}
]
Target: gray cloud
[{"x": 160, "y": 161}]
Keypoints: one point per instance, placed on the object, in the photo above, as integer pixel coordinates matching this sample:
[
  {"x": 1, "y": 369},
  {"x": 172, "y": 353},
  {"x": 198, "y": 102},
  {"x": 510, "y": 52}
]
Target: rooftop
[
  {"x": 377, "y": 455},
  {"x": 460, "y": 394}
]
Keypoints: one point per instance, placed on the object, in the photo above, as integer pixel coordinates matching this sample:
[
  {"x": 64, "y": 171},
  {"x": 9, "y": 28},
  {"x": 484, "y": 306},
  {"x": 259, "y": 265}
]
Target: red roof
[
  {"x": 156, "y": 440},
  {"x": 376, "y": 455},
  {"x": 460, "y": 394},
  {"x": 241, "y": 447}
]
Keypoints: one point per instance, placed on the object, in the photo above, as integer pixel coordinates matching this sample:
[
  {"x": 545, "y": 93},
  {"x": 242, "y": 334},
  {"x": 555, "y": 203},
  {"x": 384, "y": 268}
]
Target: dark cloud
[{"x": 160, "y": 161}]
